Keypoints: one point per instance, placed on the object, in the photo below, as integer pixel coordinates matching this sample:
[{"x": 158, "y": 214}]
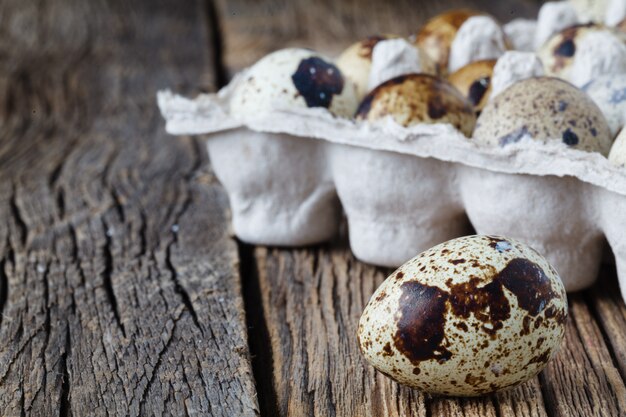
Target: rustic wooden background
[{"x": 122, "y": 290}]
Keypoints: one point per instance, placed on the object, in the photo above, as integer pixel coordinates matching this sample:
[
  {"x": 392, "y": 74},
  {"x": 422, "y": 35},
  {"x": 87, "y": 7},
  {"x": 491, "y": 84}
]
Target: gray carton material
[{"x": 288, "y": 173}]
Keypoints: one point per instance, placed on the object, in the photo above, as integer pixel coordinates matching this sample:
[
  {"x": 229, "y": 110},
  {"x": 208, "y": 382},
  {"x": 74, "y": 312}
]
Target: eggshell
[
  {"x": 544, "y": 109},
  {"x": 582, "y": 52},
  {"x": 474, "y": 82},
  {"x": 356, "y": 61},
  {"x": 618, "y": 150},
  {"x": 436, "y": 36},
  {"x": 609, "y": 93},
  {"x": 553, "y": 17},
  {"x": 470, "y": 316},
  {"x": 294, "y": 78},
  {"x": 418, "y": 98}
]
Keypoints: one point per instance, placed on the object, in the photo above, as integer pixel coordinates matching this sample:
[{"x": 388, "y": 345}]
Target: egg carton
[{"x": 288, "y": 174}]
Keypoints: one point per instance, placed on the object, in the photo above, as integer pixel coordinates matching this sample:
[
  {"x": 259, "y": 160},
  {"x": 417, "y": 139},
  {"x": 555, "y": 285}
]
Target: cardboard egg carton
[{"x": 289, "y": 174}]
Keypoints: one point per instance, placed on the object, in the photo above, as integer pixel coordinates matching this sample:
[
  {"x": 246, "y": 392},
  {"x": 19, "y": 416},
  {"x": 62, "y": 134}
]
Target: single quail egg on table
[
  {"x": 418, "y": 98},
  {"x": 467, "y": 317},
  {"x": 544, "y": 109},
  {"x": 474, "y": 82},
  {"x": 294, "y": 77}
]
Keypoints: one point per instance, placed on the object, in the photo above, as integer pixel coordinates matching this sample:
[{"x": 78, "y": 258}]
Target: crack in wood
[
  {"x": 65, "y": 407},
  {"x": 47, "y": 331},
  {"x": 20, "y": 350},
  {"x": 155, "y": 369},
  {"x": 259, "y": 343},
  {"x": 4, "y": 289},
  {"x": 143, "y": 227},
  {"x": 60, "y": 202},
  {"x": 117, "y": 204},
  {"x": 587, "y": 296},
  {"x": 55, "y": 174},
  {"x": 107, "y": 274},
  {"x": 178, "y": 287},
  {"x": 17, "y": 216}
]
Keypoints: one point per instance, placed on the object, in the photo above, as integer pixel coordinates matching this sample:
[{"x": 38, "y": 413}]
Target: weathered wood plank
[
  {"x": 119, "y": 288},
  {"x": 312, "y": 302},
  {"x": 583, "y": 380},
  {"x": 610, "y": 312},
  {"x": 251, "y": 29}
]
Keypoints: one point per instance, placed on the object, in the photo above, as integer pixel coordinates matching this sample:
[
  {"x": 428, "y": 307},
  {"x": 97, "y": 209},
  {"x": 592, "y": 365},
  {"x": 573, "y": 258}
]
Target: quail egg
[
  {"x": 617, "y": 155},
  {"x": 581, "y": 53},
  {"x": 294, "y": 78},
  {"x": 468, "y": 317},
  {"x": 356, "y": 61},
  {"x": 418, "y": 98},
  {"x": 474, "y": 82},
  {"x": 609, "y": 93},
  {"x": 437, "y": 35},
  {"x": 544, "y": 109}
]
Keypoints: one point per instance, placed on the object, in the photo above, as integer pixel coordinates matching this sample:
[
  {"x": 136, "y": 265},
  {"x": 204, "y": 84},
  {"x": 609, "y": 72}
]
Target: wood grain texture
[
  {"x": 610, "y": 312},
  {"x": 583, "y": 379},
  {"x": 312, "y": 301},
  {"x": 119, "y": 287},
  {"x": 251, "y": 29}
]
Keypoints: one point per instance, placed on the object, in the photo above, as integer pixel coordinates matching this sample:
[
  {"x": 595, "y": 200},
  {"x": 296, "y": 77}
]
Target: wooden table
[{"x": 122, "y": 289}]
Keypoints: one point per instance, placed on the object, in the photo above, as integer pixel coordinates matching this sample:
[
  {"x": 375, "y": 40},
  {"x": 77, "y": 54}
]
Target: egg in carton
[{"x": 406, "y": 174}]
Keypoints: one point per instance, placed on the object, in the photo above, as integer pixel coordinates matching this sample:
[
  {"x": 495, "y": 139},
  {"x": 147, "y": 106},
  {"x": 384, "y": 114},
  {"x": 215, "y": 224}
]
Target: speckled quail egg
[
  {"x": 609, "y": 93},
  {"x": 437, "y": 35},
  {"x": 418, "y": 98},
  {"x": 474, "y": 82},
  {"x": 580, "y": 53},
  {"x": 294, "y": 78},
  {"x": 617, "y": 155},
  {"x": 356, "y": 61},
  {"x": 544, "y": 109},
  {"x": 470, "y": 316}
]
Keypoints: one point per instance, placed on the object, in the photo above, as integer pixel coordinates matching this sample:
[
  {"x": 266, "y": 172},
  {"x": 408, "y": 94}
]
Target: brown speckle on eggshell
[
  {"x": 544, "y": 109},
  {"x": 468, "y": 328},
  {"x": 558, "y": 53},
  {"x": 474, "y": 82},
  {"x": 418, "y": 98}
]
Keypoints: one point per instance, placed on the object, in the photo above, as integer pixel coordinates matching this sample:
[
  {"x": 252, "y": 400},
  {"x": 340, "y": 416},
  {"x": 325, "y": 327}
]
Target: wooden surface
[{"x": 122, "y": 291}]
